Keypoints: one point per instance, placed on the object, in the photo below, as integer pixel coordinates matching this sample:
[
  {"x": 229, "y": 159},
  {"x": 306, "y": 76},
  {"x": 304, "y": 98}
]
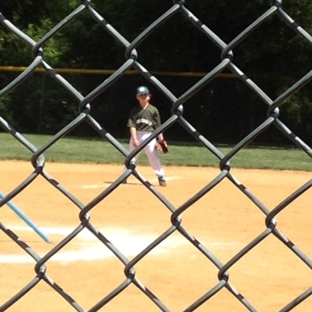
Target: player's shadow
[
  {"x": 128, "y": 183},
  {"x": 124, "y": 184}
]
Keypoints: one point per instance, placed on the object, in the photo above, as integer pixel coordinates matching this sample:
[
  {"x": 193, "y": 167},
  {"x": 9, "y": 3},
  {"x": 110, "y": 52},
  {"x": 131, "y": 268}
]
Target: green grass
[{"x": 73, "y": 150}]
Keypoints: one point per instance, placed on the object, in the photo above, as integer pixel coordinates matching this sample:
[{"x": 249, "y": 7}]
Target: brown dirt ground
[{"x": 224, "y": 221}]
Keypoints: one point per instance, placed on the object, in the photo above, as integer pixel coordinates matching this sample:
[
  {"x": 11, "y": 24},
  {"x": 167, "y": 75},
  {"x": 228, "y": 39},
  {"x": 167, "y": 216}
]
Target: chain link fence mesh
[{"x": 132, "y": 62}]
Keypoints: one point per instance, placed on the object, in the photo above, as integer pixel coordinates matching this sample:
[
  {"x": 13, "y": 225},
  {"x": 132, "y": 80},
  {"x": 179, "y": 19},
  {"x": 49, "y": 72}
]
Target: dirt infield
[{"x": 224, "y": 221}]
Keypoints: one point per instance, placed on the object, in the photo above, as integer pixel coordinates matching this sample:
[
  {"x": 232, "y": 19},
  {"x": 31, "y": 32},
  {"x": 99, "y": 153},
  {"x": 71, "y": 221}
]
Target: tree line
[{"x": 274, "y": 57}]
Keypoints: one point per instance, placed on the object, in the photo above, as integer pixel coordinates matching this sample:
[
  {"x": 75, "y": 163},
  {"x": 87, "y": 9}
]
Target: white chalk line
[
  {"x": 95, "y": 186},
  {"x": 88, "y": 248}
]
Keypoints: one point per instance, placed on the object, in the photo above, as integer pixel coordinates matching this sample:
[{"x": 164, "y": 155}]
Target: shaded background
[{"x": 225, "y": 111}]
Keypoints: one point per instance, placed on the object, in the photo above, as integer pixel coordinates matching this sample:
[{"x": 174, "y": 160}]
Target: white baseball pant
[{"x": 151, "y": 152}]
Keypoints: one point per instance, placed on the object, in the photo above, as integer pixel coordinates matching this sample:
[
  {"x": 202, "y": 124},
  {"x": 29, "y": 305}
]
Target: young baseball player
[{"x": 143, "y": 120}]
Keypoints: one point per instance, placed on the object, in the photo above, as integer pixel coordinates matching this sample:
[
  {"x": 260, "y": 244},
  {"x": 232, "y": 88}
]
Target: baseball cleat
[{"x": 162, "y": 181}]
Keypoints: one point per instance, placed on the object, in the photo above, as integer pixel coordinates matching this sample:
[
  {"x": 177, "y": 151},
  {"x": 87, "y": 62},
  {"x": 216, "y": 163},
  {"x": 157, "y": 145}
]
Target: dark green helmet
[{"x": 142, "y": 90}]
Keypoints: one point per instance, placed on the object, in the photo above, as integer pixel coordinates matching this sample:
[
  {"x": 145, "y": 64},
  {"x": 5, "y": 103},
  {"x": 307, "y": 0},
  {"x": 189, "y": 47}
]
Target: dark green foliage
[{"x": 273, "y": 56}]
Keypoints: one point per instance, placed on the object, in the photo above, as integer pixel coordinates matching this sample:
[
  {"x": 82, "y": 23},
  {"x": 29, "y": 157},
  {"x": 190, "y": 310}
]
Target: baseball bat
[{"x": 26, "y": 219}]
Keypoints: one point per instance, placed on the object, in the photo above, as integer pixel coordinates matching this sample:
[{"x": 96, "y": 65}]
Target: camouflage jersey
[{"x": 147, "y": 119}]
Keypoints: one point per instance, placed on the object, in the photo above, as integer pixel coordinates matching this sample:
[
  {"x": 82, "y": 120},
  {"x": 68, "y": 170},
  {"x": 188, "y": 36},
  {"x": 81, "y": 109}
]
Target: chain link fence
[{"x": 132, "y": 62}]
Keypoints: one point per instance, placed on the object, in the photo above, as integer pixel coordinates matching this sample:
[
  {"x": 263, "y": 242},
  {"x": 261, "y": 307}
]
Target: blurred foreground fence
[{"x": 178, "y": 103}]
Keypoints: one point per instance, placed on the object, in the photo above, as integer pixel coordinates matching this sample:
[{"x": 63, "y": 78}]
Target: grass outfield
[{"x": 73, "y": 150}]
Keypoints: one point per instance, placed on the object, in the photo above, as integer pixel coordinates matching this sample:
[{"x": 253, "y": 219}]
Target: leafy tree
[{"x": 273, "y": 56}]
